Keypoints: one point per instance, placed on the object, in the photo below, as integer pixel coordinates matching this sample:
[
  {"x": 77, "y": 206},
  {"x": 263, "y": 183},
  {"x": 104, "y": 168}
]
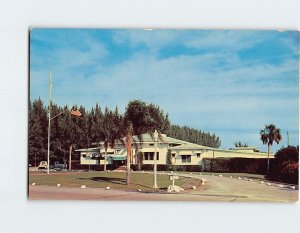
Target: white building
[{"x": 182, "y": 152}]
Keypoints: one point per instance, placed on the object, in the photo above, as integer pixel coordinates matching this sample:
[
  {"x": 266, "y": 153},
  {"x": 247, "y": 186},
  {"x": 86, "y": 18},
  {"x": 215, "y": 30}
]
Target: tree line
[
  {"x": 194, "y": 136},
  {"x": 97, "y": 125}
]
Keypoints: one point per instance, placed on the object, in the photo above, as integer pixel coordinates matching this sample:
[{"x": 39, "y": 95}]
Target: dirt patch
[{"x": 190, "y": 182}]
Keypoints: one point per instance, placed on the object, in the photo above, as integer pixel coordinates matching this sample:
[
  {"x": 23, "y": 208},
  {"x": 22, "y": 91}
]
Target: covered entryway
[{"x": 119, "y": 160}]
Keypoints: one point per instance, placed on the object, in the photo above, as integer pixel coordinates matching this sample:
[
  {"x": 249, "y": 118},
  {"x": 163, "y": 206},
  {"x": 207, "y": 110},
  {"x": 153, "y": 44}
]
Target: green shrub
[
  {"x": 164, "y": 167},
  {"x": 235, "y": 165},
  {"x": 285, "y": 166}
]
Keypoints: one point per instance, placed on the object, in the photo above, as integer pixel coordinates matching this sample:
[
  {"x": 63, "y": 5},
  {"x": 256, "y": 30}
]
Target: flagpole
[{"x": 49, "y": 119}]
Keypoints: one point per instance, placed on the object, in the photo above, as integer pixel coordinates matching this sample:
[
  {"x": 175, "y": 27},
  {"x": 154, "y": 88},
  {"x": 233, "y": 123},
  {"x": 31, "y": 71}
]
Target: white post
[
  {"x": 70, "y": 158},
  {"x": 155, "y": 165},
  {"x": 49, "y": 119}
]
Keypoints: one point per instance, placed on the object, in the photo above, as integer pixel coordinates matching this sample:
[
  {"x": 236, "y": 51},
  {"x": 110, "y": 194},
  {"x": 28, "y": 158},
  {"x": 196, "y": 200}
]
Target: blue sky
[{"x": 226, "y": 82}]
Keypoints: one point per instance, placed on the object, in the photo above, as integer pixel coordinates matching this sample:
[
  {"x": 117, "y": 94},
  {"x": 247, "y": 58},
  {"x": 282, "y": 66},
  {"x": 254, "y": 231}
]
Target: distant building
[{"x": 182, "y": 152}]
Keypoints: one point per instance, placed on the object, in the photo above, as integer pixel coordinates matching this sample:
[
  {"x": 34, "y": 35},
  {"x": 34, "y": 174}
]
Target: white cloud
[
  {"x": 153, "y": 39},
  {"x": 223, "y": 39},
  {"x": 214, "y": 90}
]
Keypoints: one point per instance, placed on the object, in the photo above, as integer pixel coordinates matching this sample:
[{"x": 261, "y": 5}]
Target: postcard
[{"x": 163, "y": 115}]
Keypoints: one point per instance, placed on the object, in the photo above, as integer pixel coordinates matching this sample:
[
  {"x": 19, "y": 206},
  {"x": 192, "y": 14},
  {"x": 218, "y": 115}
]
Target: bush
[
  {"x": 163, "y": 167},
  {"x": 285, "y": 166},
  {"x": 235, "y": 165},
  {"x": 93, "y": 167}
]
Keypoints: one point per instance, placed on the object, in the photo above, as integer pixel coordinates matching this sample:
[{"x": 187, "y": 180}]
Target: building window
[
  {"x": 198, "y": 155},
  {"x": 186, "y": 158},
  {"x": 151, "y": 144},
  {"x": 84, "y": 155},
  {"x": 95, "y": 155},
  {"x": 150, "y": 155},
  {"x": 173, "y": 155}
]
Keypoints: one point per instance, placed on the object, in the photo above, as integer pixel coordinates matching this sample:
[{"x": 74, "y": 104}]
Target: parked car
[
  {"x": 43, "y": 165},
  {"x": 59, "y": 166}
]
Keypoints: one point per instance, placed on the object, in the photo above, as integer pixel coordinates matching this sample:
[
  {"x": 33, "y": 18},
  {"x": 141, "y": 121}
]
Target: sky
[{"x": 228, "y": 82}]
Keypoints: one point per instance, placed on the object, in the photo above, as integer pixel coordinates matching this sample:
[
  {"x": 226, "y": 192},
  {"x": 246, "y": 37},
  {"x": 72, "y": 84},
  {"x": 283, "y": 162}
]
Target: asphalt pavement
[{"x": 217, "y": 188}]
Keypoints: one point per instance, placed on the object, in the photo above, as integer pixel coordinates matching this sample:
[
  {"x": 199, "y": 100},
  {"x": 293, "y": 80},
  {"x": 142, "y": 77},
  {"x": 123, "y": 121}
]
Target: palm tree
[
  {"x": 141, "y": 118},
  {"x": 268, "y": 135},
  {"x": 128, "y": 141}
]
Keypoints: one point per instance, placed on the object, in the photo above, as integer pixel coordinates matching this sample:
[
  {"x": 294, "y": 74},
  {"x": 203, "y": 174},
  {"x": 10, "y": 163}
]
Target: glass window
[
  {"x": 146, "y": 156},
  {"x": 186, "y": 158},
  {"x": 150, "y": 155}
]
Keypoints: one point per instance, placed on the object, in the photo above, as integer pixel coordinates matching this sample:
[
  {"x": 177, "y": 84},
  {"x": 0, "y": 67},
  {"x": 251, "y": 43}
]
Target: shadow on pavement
[{"x": 113, "y": 180}]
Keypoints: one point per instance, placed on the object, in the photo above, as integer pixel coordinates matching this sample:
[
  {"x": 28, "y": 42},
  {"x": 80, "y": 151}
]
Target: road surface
[{"x": 216, "y": 189}]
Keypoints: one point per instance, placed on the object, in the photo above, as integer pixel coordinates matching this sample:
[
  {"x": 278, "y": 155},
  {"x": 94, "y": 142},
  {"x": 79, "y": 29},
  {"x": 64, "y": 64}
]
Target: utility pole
[
  {"x": 49, "y": 119},
  {"x": 288, "y": 138},
  {"x": 70, "y": 158},
  {"x": 155, "y": 160}
]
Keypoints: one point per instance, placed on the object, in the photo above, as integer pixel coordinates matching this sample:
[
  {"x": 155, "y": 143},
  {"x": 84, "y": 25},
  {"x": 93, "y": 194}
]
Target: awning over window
[{"x": 118, "y": 158}]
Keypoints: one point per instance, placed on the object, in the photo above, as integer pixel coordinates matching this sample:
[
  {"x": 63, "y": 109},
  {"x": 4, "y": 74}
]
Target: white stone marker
[
  {"x": 193, "y": 187},
  {"x": 33, "y": 184},
  {"x": 107, "y": 188},
  {"x": 262, "y": 182},
  {"x": 269, "y": 184},
  {"x": 173, "y": 177},
  {"x": 58, "y": 185},
  {"x": 239, "y": 178},
  {"x": 293, "y": 187},
  {"x": 230, "y": 177},
  {"x": 139, "y": 190},
  {"x": 82, "y": 186}
]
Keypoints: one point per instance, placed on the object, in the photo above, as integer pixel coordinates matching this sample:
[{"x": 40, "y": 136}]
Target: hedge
[
  {"x": 162, "y": 167},
  {"x": 235, "y": 165},
  {"x": 285, "y": 166}
]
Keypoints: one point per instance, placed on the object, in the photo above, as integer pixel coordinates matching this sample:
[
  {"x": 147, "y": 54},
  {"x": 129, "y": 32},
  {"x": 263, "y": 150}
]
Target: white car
[{"x": 43, "y": 165}]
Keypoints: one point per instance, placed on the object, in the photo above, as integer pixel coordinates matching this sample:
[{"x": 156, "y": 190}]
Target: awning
[{"x": 118, "y": 158}]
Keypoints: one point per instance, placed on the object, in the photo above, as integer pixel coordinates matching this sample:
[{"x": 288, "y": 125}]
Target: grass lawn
[
  {"x": 100, "y": 179},
  {"x": 234, "y": 175}
]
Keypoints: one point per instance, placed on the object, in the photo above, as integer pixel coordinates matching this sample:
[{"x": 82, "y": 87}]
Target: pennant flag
[{"x": 75, "y": 113}]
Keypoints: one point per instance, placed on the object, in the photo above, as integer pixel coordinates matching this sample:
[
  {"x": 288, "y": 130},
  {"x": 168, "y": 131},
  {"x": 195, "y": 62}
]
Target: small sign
[{"x": 174, "y": 177}]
